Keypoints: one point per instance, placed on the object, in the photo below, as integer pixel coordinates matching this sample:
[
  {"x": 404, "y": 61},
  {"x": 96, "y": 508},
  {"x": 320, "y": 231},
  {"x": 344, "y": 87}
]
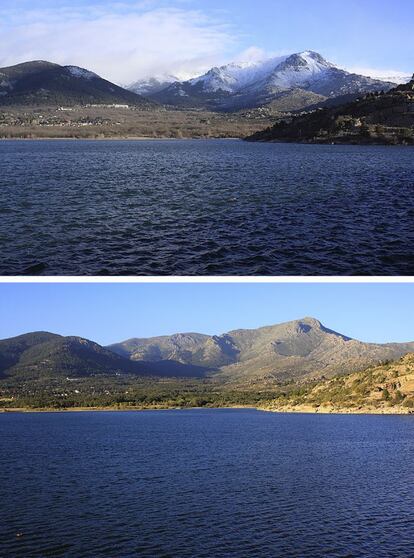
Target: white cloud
[
  {"x": 395, "y": 76},
  {"x": 252, "y": 54},
  {"x": 257, "y": 54},
  {"x": 119, "y": 42}
]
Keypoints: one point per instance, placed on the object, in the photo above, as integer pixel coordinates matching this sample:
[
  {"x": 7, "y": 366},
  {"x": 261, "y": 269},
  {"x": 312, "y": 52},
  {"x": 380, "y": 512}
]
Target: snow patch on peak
[
  {"x": 81, "y": 72},
  {"x": 299, "y": 70},
  {"x": 306, "y": 61},
  {"x": 5, "y": 83},
  {"x": 312, "y": 56}
]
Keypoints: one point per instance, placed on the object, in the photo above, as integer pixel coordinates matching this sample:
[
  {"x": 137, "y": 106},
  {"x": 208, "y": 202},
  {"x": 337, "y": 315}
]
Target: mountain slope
[
  {"x": 303, "y": 79},
  {"x": 382, "y": 118},
  {"x": 293, "y": 350},
  {"x": 388, "y": 387},
  {"x": 44, "y": 83},
  {"x": 11, "y": 350}
]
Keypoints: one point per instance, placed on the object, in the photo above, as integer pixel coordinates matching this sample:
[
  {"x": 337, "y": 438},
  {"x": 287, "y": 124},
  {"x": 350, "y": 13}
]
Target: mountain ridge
[
  {"x": 247, "y": 85},
  {"x": 44, "y": 355},
  {"x": 295, "y": 350}
]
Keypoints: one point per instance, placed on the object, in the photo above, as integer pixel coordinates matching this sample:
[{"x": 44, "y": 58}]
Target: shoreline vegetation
[
  {"x": 119, "y": 138},
  {"x": 167, "y": 138},
  {"x": 114, "y": 409},
  {"x": 387, "y": 388}
]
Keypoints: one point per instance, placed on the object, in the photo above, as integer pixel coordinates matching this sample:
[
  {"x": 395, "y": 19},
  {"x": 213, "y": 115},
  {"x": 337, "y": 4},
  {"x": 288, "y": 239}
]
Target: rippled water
[
  {"x": 202, "y": 207},
  {"x": 206, "y": 483}
]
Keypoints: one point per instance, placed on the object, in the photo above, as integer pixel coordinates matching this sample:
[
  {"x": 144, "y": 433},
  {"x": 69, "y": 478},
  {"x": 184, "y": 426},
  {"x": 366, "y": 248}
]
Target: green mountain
[
  {"x": 11, "y": 350},
  {"x": 41, "y": 83},
  {"x": 385, "y": 118},
  {"x": 46, "y": 355}
]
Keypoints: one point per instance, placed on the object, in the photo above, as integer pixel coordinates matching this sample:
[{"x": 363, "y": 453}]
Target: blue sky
[
  {"x": 129, "y": 39},
  {"x": 108, "y": 313}
]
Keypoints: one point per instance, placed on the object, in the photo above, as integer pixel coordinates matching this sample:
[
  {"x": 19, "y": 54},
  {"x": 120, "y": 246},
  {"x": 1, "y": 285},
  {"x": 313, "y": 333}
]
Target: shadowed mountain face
[
  {"x": 286, "y": 83},
  {"x": 40, "y": 83},
  {"x": 45, "y": 355},
  {"x": 12, "y": 350},
  {"x": 292, "y": 350},
  {"x": 188, "y": 348}
]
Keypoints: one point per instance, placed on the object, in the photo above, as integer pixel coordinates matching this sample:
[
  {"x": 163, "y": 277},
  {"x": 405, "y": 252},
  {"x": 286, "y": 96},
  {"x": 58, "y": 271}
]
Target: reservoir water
[
  {"x": 205, "y": 207},
  {"x": 206, "y": 483}
]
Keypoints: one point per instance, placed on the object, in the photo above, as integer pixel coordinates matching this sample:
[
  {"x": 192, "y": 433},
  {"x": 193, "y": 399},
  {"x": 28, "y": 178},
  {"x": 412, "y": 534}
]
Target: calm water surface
[
  {"x": 206, "y": 483},
  {"x": 202, "y": 207}
]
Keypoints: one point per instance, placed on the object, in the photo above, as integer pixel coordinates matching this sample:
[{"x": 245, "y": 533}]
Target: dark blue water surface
[
  {"x": 205, "y": 207},
  {"x": 206, "y": 483}
]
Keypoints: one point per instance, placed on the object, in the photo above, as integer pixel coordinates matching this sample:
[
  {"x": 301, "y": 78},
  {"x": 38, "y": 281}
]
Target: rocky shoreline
[
  {"x": 332, "y": 410},
  {"x": 288, "y": 409}
]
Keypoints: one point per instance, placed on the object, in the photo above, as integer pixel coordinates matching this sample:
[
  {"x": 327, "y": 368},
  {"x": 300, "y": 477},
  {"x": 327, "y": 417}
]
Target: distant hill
[
  {"x": 40, "y": 83},
  {"x": 292, "y": 350},
  {"x": 285, "y": 83},
  {"x": 375, "y": 118},
  {"x": 46, "y": 355}
]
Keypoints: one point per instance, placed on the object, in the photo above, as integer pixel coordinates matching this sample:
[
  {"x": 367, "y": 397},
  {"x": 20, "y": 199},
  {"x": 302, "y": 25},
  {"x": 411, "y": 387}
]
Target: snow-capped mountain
[
  {"x": 233, "y": 77},
  {"x": 289, "y": 82},
  {"x": 151, "y": 85},
  {"x": 298, "y": 70}
]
